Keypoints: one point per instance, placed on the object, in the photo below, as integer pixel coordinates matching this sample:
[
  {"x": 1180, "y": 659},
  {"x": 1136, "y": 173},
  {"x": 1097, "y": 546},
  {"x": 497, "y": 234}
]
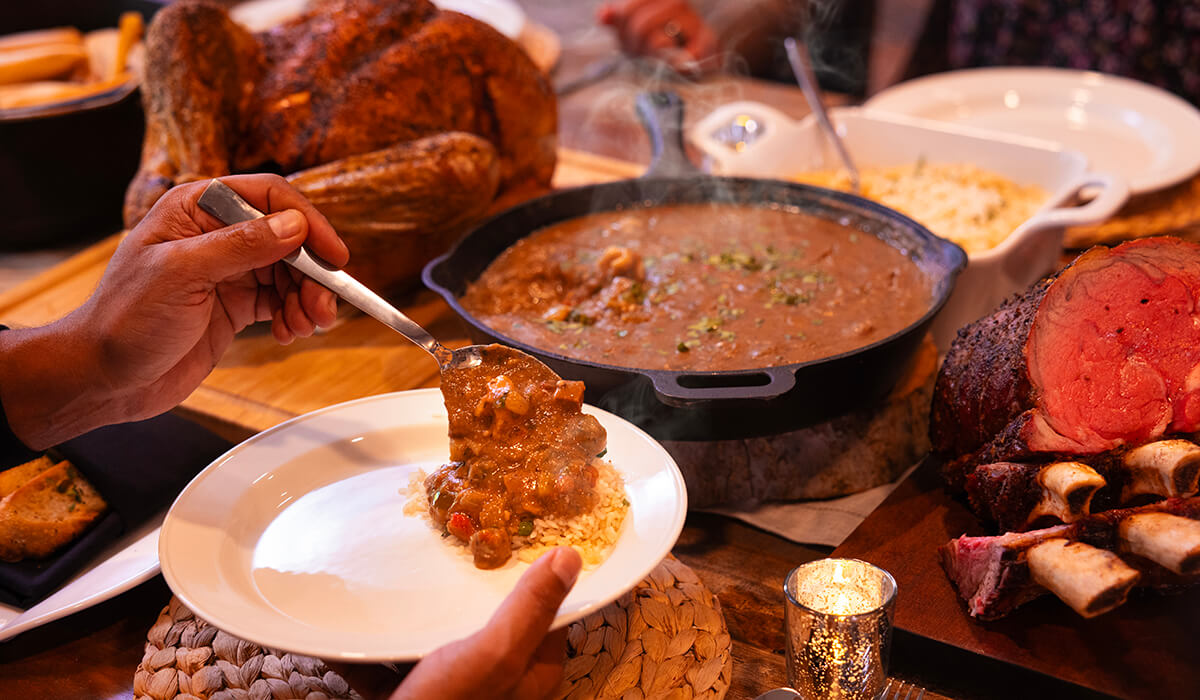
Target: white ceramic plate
[
  {"x": 296, "y": 539},
  {"x": 131, "y": 560},
  {"x": 1125, "y": 127}
]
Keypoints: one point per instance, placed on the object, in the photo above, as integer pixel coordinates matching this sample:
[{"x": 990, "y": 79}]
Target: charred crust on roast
[{"x": 983, "y": 383}]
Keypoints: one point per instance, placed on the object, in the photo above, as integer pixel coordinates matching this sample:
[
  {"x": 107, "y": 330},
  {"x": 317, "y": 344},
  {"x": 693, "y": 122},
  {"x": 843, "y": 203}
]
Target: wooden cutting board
[
  {"x": 1148, "y": 648},
  {"x": 258, "y": 383}
]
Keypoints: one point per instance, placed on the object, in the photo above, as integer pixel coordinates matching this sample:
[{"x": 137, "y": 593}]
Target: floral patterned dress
[{"x": 1156, "y": 41}]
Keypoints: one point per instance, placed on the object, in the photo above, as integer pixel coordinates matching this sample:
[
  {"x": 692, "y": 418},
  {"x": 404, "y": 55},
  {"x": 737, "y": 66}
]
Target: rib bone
[
  {"x": 1165, "y": 539},
  {"x": 1089, "y": 579},
  {"x": 992, "y": 573},
  {"x": 1168, "y": 468},
  {"x": 1067, "y": 490}
]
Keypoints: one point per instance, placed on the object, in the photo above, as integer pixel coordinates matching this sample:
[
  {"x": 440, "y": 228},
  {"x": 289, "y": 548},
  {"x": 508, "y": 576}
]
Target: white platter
[
  {"x": 505, "y": 16},
  {"x": 1125, "y": 127},
  {"x": 129, "y": 561},
  {"x": 296, "y": 539}
]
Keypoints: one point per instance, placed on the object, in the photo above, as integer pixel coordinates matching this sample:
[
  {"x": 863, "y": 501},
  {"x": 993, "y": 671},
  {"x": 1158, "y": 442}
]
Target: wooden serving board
[
  {"x": 1147, "y": 648},
  {"x": 258, "y": 383}
]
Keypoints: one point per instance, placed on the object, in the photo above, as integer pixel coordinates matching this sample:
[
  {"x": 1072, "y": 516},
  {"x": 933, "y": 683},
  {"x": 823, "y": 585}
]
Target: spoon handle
[
  {"x": 802, "y": 67},
  {"x": 229, "y": 208}
]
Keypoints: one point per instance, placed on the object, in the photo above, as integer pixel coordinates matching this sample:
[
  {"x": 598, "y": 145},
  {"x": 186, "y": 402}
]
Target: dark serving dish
[
  {"x": 689, "y": 405},
  {"x": 63, "y": 172}
]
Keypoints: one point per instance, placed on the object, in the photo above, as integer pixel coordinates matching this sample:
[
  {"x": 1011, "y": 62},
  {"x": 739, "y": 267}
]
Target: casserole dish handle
[
  {"x": 683, "y": 388},
  {"x": 1040, "y": 237},
  {"x": 661, "y": 113},
  {"x": 1110, "y": 195}
]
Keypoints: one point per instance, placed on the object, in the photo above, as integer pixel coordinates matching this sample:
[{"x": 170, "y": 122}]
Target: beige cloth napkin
[{"x": 827, "y": 522}]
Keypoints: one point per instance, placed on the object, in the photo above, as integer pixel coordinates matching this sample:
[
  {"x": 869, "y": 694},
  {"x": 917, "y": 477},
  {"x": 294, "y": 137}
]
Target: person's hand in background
[
  {"x": 177, "y": 290},
  {"x": 668, "y": 29},
  {"x": 513, "y": 657}
]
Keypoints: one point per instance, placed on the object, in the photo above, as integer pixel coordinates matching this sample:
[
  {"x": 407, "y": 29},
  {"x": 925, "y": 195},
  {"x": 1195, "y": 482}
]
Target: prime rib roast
[
  {"x": 403, "y": 123},
  {"x": 1067, "y": 411}
]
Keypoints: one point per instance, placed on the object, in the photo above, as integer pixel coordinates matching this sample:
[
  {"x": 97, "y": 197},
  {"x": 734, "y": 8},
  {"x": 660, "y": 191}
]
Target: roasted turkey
[{"x": 400, "y": 121}]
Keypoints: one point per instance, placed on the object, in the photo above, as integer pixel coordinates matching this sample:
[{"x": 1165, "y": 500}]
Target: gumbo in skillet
[{"x": 699, "y": 287}]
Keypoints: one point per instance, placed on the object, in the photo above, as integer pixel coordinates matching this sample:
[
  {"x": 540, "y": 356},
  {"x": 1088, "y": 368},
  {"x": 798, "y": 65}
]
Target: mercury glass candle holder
[{"x": 839, "y": 628}]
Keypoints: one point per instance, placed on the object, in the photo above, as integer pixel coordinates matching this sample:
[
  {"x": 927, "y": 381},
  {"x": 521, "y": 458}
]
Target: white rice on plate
[{"x": 592, "y": 534}]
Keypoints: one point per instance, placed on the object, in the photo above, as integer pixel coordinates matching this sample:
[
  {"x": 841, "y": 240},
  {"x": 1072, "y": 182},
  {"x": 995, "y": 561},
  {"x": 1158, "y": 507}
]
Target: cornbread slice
[
  {"x": 15, "y": 477},
  {"x": 46, "y": 512}
]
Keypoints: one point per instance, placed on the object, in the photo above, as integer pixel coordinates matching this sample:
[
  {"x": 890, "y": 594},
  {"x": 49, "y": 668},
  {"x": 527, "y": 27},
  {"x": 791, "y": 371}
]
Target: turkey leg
[{"x": 207, "y": 66}]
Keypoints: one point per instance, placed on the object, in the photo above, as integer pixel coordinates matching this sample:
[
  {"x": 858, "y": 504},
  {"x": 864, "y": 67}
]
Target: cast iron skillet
[{"x": 687, "y": 405}]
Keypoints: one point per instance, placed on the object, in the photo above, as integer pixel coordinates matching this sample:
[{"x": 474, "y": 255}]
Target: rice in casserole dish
[{"x": 975, "y": 208}]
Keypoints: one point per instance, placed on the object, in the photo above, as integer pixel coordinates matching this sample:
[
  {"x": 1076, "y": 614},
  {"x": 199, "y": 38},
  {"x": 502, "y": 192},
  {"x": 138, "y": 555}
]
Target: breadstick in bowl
[
  {"x": 40, "y": 37},
  {"x": 39, "y": 62},
  {"x": 52, "y": 66}
]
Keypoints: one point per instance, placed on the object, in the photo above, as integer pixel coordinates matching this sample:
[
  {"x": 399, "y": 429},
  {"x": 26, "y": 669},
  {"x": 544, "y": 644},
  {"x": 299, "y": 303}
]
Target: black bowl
[{"x": 63, "y": 172}]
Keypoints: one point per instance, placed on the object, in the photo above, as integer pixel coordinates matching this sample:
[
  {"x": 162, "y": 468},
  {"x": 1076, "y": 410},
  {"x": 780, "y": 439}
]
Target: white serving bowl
[{"x": 751, "y": 139}]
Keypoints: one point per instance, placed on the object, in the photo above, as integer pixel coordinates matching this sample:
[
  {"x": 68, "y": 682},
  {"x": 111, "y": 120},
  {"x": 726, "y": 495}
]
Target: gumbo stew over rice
[
  {"x": 699, "y": 287},
  {"x": 520, "y": 450}
]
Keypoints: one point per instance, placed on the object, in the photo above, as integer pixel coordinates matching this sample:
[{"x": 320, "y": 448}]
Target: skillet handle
[
  {"x": 684, "y": 388},
  {"x": 661, "y": 113}
]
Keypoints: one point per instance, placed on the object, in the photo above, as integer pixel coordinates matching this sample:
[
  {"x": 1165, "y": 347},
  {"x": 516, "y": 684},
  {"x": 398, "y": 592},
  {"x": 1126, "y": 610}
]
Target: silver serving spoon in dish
[
  {"x": 802, "y": 66},
  {"x": 229, "y": 208}
]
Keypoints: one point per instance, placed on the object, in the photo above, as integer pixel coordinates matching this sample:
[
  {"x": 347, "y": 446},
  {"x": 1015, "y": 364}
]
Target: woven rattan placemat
[
  {"x": 1170, "y": 211},
  {"x": 666, "y": 638},
  {"x": 189, "y": 659}
]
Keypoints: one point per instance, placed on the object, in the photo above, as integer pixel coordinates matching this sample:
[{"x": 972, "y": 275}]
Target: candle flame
[
  {"x": 841, "y": 588},
  {"x": 841, "y": 606}
]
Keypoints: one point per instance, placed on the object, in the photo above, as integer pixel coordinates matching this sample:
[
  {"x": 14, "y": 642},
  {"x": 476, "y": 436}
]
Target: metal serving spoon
[
  {"x": 229, "y": 208},
  {"x": 802, "y": 66}
]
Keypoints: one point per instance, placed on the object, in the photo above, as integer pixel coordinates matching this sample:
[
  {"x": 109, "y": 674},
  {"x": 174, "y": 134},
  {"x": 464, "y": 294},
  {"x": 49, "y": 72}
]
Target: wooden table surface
[{"x": 93, "y": 654}]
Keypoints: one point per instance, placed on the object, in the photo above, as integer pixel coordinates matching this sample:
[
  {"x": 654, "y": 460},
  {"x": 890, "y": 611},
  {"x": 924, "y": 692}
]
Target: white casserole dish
[{"x": 751, "y": 139}]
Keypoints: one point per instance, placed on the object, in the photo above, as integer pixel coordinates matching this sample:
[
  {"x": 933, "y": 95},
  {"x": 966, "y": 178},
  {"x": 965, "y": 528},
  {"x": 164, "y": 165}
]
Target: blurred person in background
[
  {"x": 700, "y": 36},
  {"x": 1155, "y": 41}
]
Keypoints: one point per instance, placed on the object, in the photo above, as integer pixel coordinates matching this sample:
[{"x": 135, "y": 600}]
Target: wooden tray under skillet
[{"x": 1147, "y": 648}]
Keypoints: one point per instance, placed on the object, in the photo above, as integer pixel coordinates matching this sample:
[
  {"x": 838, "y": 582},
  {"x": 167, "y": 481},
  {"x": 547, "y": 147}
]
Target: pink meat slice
[
  {"x": 1103, "y": 355},
  {"x": 1114, "y": 351}
]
